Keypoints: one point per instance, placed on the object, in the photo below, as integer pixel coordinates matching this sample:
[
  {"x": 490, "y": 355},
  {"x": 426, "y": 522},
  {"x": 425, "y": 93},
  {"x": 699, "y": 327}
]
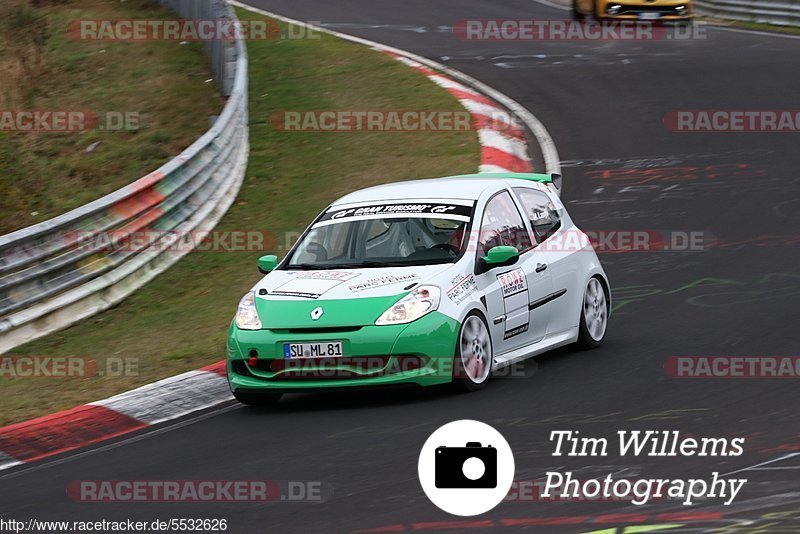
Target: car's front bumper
[
  {"x": 418, "y": 353},
  {"x": 644, "y": 11}
]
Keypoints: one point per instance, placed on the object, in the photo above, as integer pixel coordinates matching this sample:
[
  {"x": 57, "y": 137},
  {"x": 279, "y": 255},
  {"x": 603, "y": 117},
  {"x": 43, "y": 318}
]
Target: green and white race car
[{"x": 422, "y": 282}]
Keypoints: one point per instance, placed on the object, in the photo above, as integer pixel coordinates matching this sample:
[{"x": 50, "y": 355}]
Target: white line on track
[
  {"x": 553, "y": 5},
  {"x": 760, "y": 467},
  {"x": 723, "y": 27}
]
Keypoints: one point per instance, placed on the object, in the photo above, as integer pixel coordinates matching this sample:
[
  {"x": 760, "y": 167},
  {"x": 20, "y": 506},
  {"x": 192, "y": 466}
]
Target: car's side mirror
[
  {"x": 267, "y": 264},
  {"x": 501, "y": 256}
]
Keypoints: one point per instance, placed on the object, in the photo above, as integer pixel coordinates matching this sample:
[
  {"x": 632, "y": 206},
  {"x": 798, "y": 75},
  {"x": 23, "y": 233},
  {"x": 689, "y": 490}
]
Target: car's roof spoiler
[{"x": 549, "y": 178}]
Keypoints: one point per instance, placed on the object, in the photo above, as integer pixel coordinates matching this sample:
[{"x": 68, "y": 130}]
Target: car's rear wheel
[
  {"x": 266, "y": 398},
  {"x": 594, "y": 315},
  {"x": 473, "y": 359}
]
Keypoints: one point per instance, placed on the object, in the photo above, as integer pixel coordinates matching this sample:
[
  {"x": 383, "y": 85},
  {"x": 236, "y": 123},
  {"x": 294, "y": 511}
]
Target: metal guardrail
[
  {"x": 53, "y": 274},
  {"x": 783, "y": 13}
]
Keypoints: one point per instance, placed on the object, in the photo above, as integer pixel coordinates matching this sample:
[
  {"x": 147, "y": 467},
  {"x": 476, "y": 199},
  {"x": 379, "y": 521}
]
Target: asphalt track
[{"x": 603, "y": 103}]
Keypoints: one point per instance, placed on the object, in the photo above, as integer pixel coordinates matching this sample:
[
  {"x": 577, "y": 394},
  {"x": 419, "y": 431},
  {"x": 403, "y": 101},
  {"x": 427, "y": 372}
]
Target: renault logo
[{"x": 317, "y": 313}]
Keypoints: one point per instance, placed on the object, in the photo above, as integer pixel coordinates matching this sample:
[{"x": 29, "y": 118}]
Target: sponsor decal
[
  {"x": 342, "y": 276},
  {"x": 313, "y": 284},
  {"x": 512, "y": 282},
  {"x": 300, "y": 294},
  {"x": 383, "y": 281},
  {"x": 515, "y": 300},
  {"x": 516, "y": 331},
  {"x": 463, "y": 287},
  {"x": 442, "y": 210}
]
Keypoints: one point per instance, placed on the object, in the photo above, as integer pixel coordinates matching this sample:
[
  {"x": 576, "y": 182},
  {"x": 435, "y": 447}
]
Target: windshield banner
[{"x": 405, "y": 209}]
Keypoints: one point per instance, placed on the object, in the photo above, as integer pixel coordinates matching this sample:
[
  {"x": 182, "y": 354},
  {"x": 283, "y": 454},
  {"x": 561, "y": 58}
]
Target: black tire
[
  {"x": 588, "y": 337},
  {"x": 576, "y": 15},
  {"x": 260, "y": 400},
  {"x": 481, "y": 348},
  {"x": 595, "y": 13}
]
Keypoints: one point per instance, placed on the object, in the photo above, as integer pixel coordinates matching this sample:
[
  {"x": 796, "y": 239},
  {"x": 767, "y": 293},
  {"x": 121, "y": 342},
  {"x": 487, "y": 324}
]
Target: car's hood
[
  {"x": 345, "y": 283},
  {"x": 349, "y": 297}
]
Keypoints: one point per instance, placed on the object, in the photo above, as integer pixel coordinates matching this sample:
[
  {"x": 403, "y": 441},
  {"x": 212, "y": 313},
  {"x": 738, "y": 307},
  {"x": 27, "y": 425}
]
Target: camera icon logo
[
  {"x": 472, "y": 466},
  {"x": 466, "y": 467}
]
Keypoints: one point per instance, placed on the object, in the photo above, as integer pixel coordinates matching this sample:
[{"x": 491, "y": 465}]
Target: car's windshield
[{"x": 381, "y": 236}]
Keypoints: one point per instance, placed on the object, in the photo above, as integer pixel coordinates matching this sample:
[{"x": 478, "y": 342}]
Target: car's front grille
[
  {"x": 325, "y": 330},
  {"x": 632, "y": 10}
]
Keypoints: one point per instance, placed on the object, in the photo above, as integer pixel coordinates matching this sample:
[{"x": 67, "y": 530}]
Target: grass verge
[
  {"x": 163, "y": 84},
  {"x": 178, "y": 322}
]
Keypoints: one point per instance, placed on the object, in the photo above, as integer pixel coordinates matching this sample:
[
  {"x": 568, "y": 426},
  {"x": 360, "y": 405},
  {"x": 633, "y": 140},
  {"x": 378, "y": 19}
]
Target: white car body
[{"x": 530, "y": 307}]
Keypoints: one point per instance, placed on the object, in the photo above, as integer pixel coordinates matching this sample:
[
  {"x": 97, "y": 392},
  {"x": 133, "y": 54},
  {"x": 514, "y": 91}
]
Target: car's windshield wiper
[
  {"x": 366, "y": 263},
  {"x": 406, "y": 263},
  {"x": 362, "y": 264},
  {"x": 305, "y": 267},
  {"x": 326, "y": 266}
]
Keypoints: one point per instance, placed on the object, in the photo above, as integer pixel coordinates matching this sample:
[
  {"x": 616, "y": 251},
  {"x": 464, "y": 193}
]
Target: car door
[
  {"x": 555, "y": 251},
  {"x": 509, "y": 290}
]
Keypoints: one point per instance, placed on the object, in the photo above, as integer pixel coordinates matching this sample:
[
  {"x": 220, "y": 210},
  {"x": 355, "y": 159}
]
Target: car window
[
  {"x": 385, "y": 238},
  {"x": 381, "y": 241},
  {"x": 502, "y": 225},
  {"x": 322, "y": 244},
  {"x": 444, "y": 224},
  {"x": 376, "y": 229},
  {"x": 540, "y": 211}
]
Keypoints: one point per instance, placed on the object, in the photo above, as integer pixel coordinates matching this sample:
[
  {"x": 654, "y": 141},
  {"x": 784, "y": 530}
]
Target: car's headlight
[
  {"x": 246, "y": 315},
  {"x": 419, "y": 302}
]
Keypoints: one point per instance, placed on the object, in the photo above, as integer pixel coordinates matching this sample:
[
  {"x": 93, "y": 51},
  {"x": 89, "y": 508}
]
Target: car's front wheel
[
  {"x": 594, "y": 315},
  {"x": 596, "y": 11},
  {"x": 266, "y": 398},
  {"x": 473, "y": 359}
]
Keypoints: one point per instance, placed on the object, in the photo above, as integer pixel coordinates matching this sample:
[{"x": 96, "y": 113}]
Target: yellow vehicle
[{"x": 648, "y": 10}]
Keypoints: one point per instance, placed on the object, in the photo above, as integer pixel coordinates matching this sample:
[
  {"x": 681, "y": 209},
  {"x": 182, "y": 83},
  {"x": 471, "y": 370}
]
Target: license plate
[
  {"x": 649, "y": 16},
  {"x": 325, "y": 349}
]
